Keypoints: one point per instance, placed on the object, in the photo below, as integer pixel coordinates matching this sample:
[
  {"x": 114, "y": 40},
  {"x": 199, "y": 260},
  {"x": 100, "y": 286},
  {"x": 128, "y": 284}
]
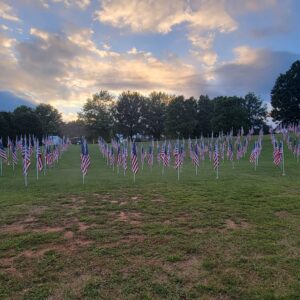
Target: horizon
[{"x": 61, "y": 52}]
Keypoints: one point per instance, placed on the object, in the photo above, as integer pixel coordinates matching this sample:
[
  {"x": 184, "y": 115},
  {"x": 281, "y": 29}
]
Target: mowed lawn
[{"x": 200, "y": 238}]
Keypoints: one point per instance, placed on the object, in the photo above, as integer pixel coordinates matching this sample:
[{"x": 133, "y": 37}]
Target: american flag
[
  {"x": 195, "y": 155},
  {"x": 26, "y": 158},
  {"x": 230, "y": 152},
  {"x": 124, "y": 159},
  {"x": 158, "y": 152},
  {"x": 14, "y": 154},
  {"x": 164, "y": 155},
  {"x": 49, "y": 156},
  {"x": 216, "y": 157},
  {"x": 178, "y": 155},
  {"x": 150, "y": 155},
  {"x": 119, "y": 157},
  {"x": 39, "y": 158},
  {"x": 278, "y": 154},
  {"x": 3, "y": 154},
  {"x": 85, "y": 157},
  {"x": 254, "y": 153},
  {"x": 134, "y": 159}
]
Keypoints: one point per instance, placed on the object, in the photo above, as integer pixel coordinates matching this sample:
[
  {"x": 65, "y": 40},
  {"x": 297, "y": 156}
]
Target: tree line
[
  {"x": 41, "y": 120},
  {"x": 160, "y": 115}
]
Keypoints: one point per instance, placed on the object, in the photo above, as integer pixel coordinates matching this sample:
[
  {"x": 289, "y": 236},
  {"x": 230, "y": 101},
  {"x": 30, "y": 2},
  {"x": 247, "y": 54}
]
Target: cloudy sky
[{"x": 62, "y": 51}]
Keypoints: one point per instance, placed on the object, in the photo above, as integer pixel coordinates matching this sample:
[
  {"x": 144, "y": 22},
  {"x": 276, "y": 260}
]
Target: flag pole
[
  {"x": 283, "y": 169},
  {"x": 1, "y": 167},
  {"x": 178, "y": 173},
  {"x": 37, "y": 170},
  {"x": 133, "y": 177},
  {"x": 83, "y": 178},
  {"x": 45, "y": 163}
]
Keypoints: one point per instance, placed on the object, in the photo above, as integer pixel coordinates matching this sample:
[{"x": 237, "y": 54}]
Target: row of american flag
[
  {"x": 42, "y": 155},
  {"x": 119, "y": 155}
]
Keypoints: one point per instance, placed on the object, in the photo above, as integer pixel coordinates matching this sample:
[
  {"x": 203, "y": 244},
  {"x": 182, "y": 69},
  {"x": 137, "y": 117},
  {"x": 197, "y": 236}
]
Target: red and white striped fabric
[
  {"x": 216, "y": 157},
  {"x": 134, "y": 159}
]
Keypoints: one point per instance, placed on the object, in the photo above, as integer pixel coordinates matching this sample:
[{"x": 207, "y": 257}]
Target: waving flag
[
  {"x": 3, "y": 155},
  {"x": 14, "y": 155},
  {"x": 277, "y": 156},
  {"x": 134, "y": 161},
  {"x": 39, "y": 158},
  {"x": 150, "y": 156},
  {"x": 26, "y": 161},
  {"x": 216, "y": 160},
  {"x": 85, "y": 158}
]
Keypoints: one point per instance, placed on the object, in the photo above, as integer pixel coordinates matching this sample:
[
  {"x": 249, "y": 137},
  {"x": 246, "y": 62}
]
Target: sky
[{"x": 62, "y": 51}]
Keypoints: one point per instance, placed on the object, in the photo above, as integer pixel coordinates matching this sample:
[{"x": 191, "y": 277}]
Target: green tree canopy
[
  {"x": 26, "y": 121},
  {"x": 50, "y": 118},
  {"x": 154, "y": 114},
  {"x": 256, "y": 110},
  {"x": 285, "y": 95},
  {"x": 229, "y": 113},
  {"x": 129, "y": 114},
  {"x": 96, "y": 114},
  {"x": 205, "y": 110},
  {"x": 181, "y": 117}
]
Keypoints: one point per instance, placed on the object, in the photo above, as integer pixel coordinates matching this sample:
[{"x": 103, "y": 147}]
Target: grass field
[{"x": 233, "y": 238}]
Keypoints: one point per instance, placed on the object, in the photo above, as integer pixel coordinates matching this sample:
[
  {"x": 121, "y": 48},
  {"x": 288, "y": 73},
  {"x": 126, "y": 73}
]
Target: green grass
[{"x": 199, "y": 238}]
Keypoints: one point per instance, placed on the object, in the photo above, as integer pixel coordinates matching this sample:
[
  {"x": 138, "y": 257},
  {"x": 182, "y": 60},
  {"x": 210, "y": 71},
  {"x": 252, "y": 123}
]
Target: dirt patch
[
  {"x": 38, "y": 210},
  {"x": 158, "y": 200},
  {"x": 69, "y": 235},
  {"x": 75, "y": 286},
  {"x": 230, "y": 224},
  {"x": 123, "y": 203},
  {"x": 13, "y": 228},
  {"x": 20, "y": 228},
  {"x": 134, "y": 238},
  {"x": 282, "y": 214},
  {"x": 83, "y": 227},
  {"x": 133, "y": 218},
  {"x": 137, "y": 238},
  {"x": 200, "y": 230}
]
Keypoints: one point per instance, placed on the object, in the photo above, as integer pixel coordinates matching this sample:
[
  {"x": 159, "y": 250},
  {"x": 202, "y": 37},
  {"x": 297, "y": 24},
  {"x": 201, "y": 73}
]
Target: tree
[
  {"x": 205, "y": 110},
  {"x": 154, "y": 114},
  {"x": 96, "y": 115},
  {"x": 129, "y": 114},
  {"x": 50, "y": 118},
  {"x": 26, "y": 121},
  {"x": 256, "y": 111},
  {"x": 7, "y": 127},
  {"x": 229, "y": 113},
  {"x": 181, "y": 117},
  {"x": 285, "y": 95}
]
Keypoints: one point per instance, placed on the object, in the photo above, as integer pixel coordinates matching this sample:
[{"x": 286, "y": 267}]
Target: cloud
[
  {"x": 253, "y": 70},
  {"x": 64, "y": 70},
  {"x": 162, "y": 16},
  {"x": 7, "y": 13},
  {"x": 82, "y": 4}
]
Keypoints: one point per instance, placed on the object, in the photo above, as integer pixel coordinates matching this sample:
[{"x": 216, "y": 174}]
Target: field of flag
[
  {"x": 168, "y": 155},
  {"x": 211, "y": 218}
]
